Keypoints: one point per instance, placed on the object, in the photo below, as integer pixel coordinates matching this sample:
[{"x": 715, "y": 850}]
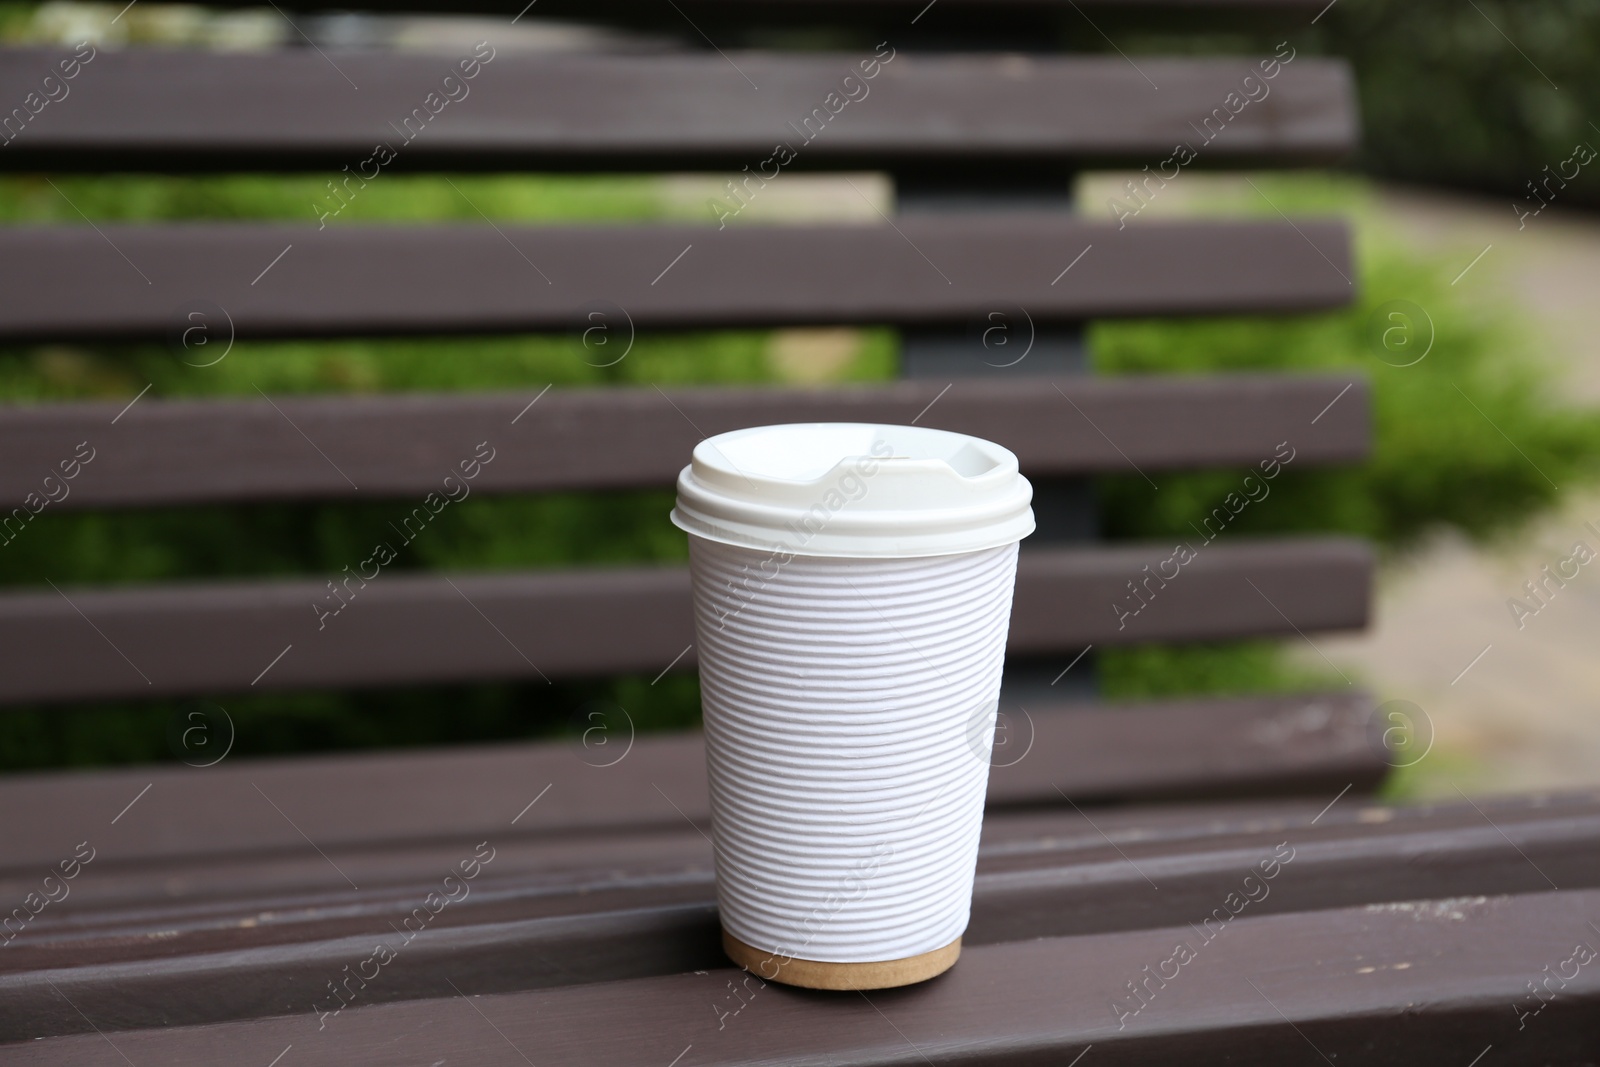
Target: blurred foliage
[
  {"x": 1151, "y": 672},
  {"x": 266, "y": 723},
  {"x": 1481, "y": 95},
  {"x": 1474, "y": 435},
  {"x": 1437, "y": 460},
  {"x": 300, "y": 198}
]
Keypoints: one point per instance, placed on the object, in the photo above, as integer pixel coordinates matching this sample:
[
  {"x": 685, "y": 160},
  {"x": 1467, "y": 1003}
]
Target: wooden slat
[
  {"x": 1301, "y": 744},
  {"x": 476, "y": 279},
  {"x": 197, "y": 892},
  {"x": 204, "y": 901},
  {"x": 187, "y": 452},
  {"x": 413, "y": 628},
  {"x": 642, "y": 13},
  {"x": 522, "y": 926},
  {"x": 298, "y": 108},
  {"x": 1428, "y": 981},
  {"x": 1066, "y": 599}
]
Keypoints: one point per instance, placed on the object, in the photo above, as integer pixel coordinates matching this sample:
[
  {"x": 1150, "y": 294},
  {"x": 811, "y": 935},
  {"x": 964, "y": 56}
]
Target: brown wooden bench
[{"x": 224, "y": 909}]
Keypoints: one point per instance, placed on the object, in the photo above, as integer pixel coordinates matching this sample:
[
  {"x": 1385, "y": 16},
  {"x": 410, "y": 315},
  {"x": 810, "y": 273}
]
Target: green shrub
[
  {"x": 1154, "y": 672},
  {"x": 1473, "y": 435},
  {"x": 1480, "y": 95}
]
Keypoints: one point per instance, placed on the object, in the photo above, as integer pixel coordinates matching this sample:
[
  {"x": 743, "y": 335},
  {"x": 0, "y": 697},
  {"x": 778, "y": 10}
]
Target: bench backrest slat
[
  {"x": 929, "y": 268},
  {"x": 158, "y": 109},
  {"x": 410, "y": 628},
  {"x": 190, "y": 452}
]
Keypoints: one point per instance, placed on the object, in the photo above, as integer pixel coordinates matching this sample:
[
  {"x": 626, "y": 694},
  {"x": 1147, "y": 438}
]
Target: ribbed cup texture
[{"x": 849, "y": 709}]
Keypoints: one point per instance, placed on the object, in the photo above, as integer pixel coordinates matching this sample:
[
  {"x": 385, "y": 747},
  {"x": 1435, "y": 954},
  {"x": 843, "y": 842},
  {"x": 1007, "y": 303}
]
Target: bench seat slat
[
  {"x": 188, "y": 452},
  {"x": 210, "y": 903},
  {"x": 1428, "y": 980},
  {"x": 291, "y": 108},
  {"x": 424, "y": 628},
  {"x": 935, "y": 268},
  {"x": 289, "y": 890},
  {"x": 1039, "y": 875}
]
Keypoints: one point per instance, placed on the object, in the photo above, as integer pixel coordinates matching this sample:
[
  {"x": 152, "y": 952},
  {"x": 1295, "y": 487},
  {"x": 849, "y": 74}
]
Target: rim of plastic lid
[{"x": 853, "y": 489}]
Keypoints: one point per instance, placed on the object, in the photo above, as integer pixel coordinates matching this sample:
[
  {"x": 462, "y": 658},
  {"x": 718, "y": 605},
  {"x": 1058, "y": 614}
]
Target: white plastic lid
[{"x": 854, "y": 489}]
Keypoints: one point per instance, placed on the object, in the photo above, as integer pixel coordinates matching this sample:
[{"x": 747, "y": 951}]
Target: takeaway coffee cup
[{"x": 852, "y": 591}]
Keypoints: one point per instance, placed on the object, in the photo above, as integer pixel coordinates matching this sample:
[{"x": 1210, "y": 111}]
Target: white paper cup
[{"x": 852, "y": 588}]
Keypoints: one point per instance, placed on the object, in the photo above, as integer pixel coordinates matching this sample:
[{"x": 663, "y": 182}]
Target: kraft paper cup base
[{"x": 814, "y": 974}]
